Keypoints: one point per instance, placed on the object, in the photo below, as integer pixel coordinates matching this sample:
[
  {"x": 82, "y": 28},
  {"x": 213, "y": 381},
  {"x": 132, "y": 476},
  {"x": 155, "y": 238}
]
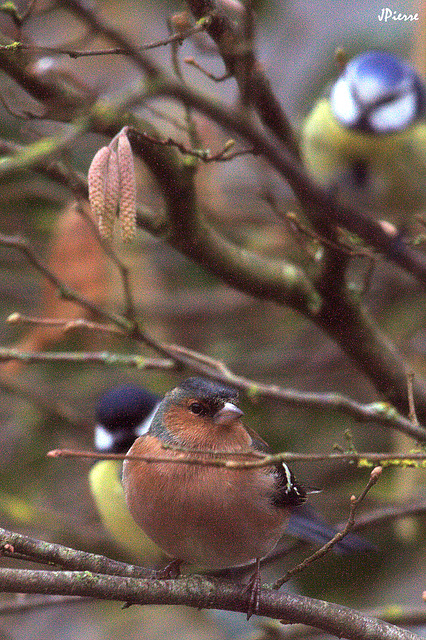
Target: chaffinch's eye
[{"x": 197, "y": 408}]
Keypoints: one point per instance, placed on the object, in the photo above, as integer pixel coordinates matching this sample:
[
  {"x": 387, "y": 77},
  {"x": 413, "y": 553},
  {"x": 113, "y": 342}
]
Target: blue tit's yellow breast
[
  {"x": 107, "y": 491},
  {"x": 394, "y": 164}
]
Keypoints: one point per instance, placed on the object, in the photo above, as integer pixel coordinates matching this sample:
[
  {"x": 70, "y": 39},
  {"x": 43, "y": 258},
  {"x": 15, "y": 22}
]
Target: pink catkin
[
  {"x": 127, "y": 204},
  {"x": 112, "y": 194},
  {"x": 96, "y": 180}
]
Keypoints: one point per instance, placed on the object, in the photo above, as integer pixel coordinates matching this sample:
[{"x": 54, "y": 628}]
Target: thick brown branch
[
  {"x": 203, "y": 593},
  {"x": 12, "y": 543}
]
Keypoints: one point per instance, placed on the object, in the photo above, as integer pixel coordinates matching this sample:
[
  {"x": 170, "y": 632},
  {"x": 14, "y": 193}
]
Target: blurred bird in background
[
  {"x": 123, "y": 414},
  {"x": 366, "y": 140}
]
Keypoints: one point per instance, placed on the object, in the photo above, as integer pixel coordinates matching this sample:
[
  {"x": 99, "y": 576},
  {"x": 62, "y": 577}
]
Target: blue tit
[
  {"x": 123, "y": 414},
  {"x": 366, "y": 141}
]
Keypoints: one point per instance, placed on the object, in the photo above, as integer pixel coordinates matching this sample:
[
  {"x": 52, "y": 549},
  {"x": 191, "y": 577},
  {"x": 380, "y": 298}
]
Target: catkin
[{"x": 127, "y": 203}]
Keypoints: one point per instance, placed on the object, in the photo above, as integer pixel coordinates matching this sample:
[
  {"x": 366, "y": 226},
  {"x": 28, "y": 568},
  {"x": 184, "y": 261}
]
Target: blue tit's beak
[{"x": 229, "y": 414}]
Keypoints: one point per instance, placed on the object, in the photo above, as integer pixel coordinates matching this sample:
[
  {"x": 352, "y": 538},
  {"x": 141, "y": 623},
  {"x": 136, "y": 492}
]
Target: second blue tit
[
  {"x": 123, "y": 414},
  {"x": 367, "y": 139}
]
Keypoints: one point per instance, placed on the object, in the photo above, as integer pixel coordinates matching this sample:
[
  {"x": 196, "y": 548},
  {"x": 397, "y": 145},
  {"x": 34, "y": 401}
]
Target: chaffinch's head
[{"x": 202, "y": 414}]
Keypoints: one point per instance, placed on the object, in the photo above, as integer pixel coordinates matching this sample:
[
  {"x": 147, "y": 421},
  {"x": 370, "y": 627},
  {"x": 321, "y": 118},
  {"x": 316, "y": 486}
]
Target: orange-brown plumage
[
  {"x": 208, "y": 515},
  {"x": 211, "y": 516}
]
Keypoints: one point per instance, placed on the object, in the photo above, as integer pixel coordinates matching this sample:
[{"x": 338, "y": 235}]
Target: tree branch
[
  {"x": 203, "y": 592},
  {"x": 94, "y": 576},
  {"x": 85, "y": 357},
  {"x": 232, "y": 460},
  {"x": 15, "y": 544},
  {"x": 355, "y": 502}
]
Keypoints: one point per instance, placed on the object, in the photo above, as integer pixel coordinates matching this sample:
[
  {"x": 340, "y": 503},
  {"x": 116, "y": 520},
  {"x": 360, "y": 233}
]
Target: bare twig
[
  {"x": 411, "y": 402},
  {"x": 129, "y": 326},
  {"x": 355, "y": 502},
  {"x": 368, "y": 520},
  {"x": 112, "y": 255},
  {"x": 379, "y": 412},
  {"x": 72, "y": 53},
  {"x": 112, "y": 359},
  {"x": 223, "y": 155},
  {"x": 191, "y": 61},
  {"x": 382, "y": 413},
  {"x": 64, "y": 323},
  {"x": 232, "y": 460}
]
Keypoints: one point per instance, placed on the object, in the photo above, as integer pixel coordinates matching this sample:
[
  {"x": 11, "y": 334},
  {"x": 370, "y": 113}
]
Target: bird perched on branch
[
  {"x": 367, "y": 139},
  {"x": 211, "y": 516},
  {"x": 123, "y": 414}
]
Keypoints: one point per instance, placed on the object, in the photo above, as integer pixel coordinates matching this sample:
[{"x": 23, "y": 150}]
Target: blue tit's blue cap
[
  {"x": 378, "y": 93},
  {"x": 123, "y": 414}
]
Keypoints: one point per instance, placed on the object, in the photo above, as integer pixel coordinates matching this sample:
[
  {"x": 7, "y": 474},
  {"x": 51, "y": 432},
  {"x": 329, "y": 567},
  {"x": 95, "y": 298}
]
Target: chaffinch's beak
[{"x": 227, "y": 415}]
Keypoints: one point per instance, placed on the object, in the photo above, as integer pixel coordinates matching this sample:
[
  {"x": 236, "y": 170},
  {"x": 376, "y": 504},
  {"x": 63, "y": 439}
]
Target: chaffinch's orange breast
[{"x": 210, "y": 516}]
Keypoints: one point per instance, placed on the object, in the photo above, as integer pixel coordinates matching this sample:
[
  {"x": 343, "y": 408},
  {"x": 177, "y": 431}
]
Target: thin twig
[
  {"x": 104, "y": 357},
  {"x": 230, "y": 459},
  {"x": 369, "y": 520},
  {"x": 67, "y": 293},
  {"x": 205, "y": 155},
  {"x": 411, "y": 403},
  {"x": 355, "y": 502},
  {"x": 123, "y": 271},
  {"x": 73, "y": 53},
  {"x": 64, "y": 323},
  {"x": 380, "y": 412},
  {"x": 191, "y": 61}
]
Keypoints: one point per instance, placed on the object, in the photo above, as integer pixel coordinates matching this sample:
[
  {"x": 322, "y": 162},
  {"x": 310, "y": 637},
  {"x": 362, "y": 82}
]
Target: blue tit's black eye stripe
[
  {"x": 378, "y": 93},
  {"x": 288, "y": 492}
]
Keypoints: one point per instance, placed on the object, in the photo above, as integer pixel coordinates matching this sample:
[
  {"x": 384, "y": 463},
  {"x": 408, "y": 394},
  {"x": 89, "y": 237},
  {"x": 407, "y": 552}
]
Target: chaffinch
[
  {"x": 211, "y": 516},
  {"x": 123, "y": 414}
]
